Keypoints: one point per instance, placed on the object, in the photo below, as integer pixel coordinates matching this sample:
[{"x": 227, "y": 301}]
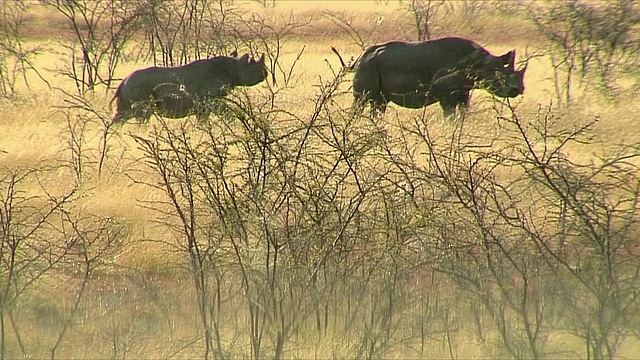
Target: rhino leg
[
  {"x": 123, "y": 111},
  {"x": 448, "y": 110},
  {"x": 377, "y": 104},
  {"x": 378, "y": 107},
  {"x": 203, "y": 113},
  {"x": 204, "y": 108},
  {"x": 452, "y": 90},
  {"x": 453, "y": 102},
  {"x": 367, "y": 90},
  {"x": 141, "y": 110}
]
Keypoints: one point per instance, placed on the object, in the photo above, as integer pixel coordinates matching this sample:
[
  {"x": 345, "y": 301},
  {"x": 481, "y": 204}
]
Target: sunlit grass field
[{"x": 34, "y": 133}]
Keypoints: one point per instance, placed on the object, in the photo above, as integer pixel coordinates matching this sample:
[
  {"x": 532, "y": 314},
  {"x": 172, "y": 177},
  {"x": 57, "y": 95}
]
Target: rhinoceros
[
  {"x": 180, "y": 91},
  {"x": 445, "y": 70}
]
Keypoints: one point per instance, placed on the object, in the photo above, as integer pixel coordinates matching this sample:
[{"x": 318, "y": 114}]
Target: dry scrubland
[{"x": 288, "y": 227}]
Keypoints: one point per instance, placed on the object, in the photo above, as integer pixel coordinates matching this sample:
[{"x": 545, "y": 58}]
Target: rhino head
[
  {"x": 249, "y": 71},
  {"x": 497, "y": 74},
  {"x": 507, "y": 84}
]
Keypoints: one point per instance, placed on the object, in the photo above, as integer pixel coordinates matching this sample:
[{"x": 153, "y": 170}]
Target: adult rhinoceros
[
  {"x": 445, "y": 70},
  {"x": 176, "y": 92}
]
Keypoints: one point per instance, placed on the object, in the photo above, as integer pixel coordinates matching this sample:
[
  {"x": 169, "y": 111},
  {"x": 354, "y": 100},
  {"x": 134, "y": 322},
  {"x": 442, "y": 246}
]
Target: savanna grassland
[{"x": 289, "y": 226}]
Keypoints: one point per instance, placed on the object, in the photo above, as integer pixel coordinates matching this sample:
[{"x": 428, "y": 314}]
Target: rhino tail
[{"x": 344, "y": 66}]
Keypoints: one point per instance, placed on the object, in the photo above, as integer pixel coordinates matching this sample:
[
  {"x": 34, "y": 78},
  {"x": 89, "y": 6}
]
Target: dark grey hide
[
  {"x": 172, "y": 100},
  {"x": 180, "y": 91},
  {"x": 414, "y": 75}
]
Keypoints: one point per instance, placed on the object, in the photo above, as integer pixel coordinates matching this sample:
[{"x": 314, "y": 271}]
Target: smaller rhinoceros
[
  {"x": 173, "y": 101},
  {"x": 451, "y": 88},
  {"x": 177, "y": 92}
]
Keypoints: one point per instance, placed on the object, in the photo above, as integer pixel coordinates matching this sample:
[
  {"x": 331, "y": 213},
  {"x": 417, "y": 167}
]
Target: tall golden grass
[
  {"x": 33, "y": 127},
  {"x": 32, "y": 133}
]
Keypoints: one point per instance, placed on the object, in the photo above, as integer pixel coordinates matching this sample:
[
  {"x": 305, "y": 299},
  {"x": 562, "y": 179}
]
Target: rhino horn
[
  {"x": 509, "y": 59},
  {"x": 234, "y": 53}
]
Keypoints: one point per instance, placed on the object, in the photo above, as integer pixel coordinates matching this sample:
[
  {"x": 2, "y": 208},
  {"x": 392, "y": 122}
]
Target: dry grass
[
  {"x": 32, "y": 130},
  {"x": 33, "y": 127}
]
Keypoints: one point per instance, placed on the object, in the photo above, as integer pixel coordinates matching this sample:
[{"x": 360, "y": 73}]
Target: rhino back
[
  {"x": 426, "y": 56},
  {"x": 398, "y": 67},
  {"x": 202, "y": 77},
  {"x": 206, "y": 77}
]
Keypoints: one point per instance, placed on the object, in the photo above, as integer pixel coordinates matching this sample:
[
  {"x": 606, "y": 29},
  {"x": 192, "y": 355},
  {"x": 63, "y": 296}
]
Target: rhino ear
[
  {"x": 244, "y": 58},
  {"x": 234, "y": 53},
  {"x": 261, "y": 58}
]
